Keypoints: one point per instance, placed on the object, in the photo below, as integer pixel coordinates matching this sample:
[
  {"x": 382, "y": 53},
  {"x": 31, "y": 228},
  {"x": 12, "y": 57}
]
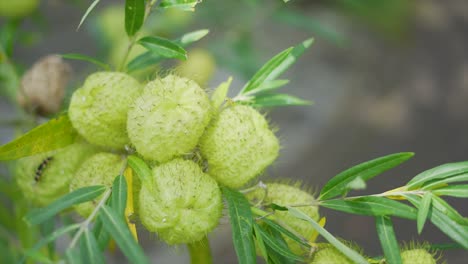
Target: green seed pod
[
  {"x": 168, "y": 118},
  {"x": 417, "y": 256},
  {"x": 98, "y": 110},
  {"x": 180, "y": 202},
  {"x": 328, "y": 254},
  {"x": 99, "y": 169},
  {"x": 238, "y": 146},
  {"x": 283, "y": 194},
  {"x": 17, "y": 8},
  {"x": 45, "y": 177}
]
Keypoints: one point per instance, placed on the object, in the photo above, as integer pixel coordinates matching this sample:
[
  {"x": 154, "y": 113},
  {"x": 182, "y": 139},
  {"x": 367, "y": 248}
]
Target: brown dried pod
[{"x": 43, "y": 86}]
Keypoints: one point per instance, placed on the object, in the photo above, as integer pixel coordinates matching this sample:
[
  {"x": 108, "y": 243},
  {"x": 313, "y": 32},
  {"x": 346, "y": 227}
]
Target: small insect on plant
[{"x": 40, "y": 169}]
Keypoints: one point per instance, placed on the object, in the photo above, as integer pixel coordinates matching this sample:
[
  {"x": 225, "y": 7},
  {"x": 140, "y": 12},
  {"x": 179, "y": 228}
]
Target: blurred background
[{"x": 386, "y": 76}]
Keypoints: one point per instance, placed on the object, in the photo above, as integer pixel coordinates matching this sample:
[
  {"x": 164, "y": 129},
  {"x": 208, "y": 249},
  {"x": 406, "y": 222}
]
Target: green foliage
[
  {"x": 56, "y": 133},
  {"x": 255, "y": 227}
]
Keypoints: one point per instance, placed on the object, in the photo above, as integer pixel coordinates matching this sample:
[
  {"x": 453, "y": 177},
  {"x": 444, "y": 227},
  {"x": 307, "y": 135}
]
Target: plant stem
[
  {"x": 88, "y": 220},
  {"x": 200, "y": 252}
]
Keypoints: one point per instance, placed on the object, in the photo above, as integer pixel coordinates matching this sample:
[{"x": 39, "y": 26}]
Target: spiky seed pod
[
  {"x": 417, "y": 256},
  {"x": 238, "y": 146},
  {"x": 168, "y": 118},
  {"x": 284, "y": 194},
  {"x": 328, "y": 254},
  {"x": 99, "y": 169},
  {"x": 199, "y": 66},
  {"x": 45, "y": 177},
  {"x": 17, "y": 8},
  {"x": 43, "y": 86},
  {"x": 98, "y": 110},
  {"x": 180, "y": 202}
]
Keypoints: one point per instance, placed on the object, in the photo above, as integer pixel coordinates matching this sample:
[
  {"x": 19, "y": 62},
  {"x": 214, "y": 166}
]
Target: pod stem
[{"x": 200, "y": 252}]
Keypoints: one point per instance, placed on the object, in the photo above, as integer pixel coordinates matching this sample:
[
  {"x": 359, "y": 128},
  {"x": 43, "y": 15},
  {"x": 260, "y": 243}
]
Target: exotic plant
[{"x": 165, "y": 152}]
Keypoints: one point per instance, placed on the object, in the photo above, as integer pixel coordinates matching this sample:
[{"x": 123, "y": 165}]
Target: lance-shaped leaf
[
  {"x": 89, "y": 249},
  {"x": 81, "y": 195},
  {"x": 388, "y": 239},
  {"x": 186, "y": 5},
  {"x": 260, "y": 244},
  {"x": 241, "y": 220},
  {"x": 148, "y": 58},
  {"x": 56, "y": 133},
  {"x": 453, "y": 229},
  {"x": 88, "y": 11},
  {"x": 278, "y": 245},
  {"x": 134, "y": 16},
  {"x": 50, "y": 238},
  {"x": 81, "y": 57},
  {"x": 278, "y": 227},
  {"x": 372, "y": 206},
  {"x": 275, "y": 67},
  {"x": 118, "y": 229},
  {"x": 431, "y": 185},
  {"x": 351, "y": 254},
  {"x": 220, "y": 93},
  {"x": 119, "y": 195},
  {"x": 438, "y": 173},
  {"x": 140, "y": 167},
  {"x": 271, "y": 100},
  {"x": 460, "y": 191},
  {"x": 163, "y": 47},
  {"x": 338, "y": 185},
  {"x": 423, "y": 211}
]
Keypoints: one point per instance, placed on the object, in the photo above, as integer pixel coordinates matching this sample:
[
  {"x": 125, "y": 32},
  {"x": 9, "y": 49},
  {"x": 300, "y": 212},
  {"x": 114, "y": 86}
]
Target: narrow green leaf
[
  {"x": 186, "y": 5},
  {"x": 448, "y": 210},
  {"x": 437, "y": 173},
  {"x": 430, "y": 185},
  {"x": 50, "y": 238},
  {"x": 140, "y": 167},
  {"x": 163, "y": 47},
  {"x": 81, "y": 195},
  {"x": 56, "y": 133},
  {"x": 191, "y": 37},
  {"x": 273, "y": 255},
  {"x": 47, "y": 228},
  {"x": 134, "y": 16},
  {"x": 279, "y": 248},
  {"x": 388, "y": 239},
  {"x": 366, "y": 171},
  {"x": 148, "y": 58},
  {"x": 102, "y": 236},
  {"x": 456, "y": 231},
  {"x": 351, "y": 254},
  {"x": 72, "y": 255},
  {"x": 116, "y": 226},
  {"x": 263, "y": 74},
  {"x": 283, "y": 230},
  {"x": 81, "y": 57},
  {"x": 276, "y": 66},
  {"x": 242, "y": 225},
  {"x": 423, "y": 211},
  {"x": 119, "y": 195},
  {"x": 89, "y": 249},
  {"x": 260, "y": 243},
  {"x": 220, "y": 93},
  {"x": 88, "y": 11},
  {"x": 454, "y": 190},
  {"x": 271, "y": 100},
  {"x": 143, "y": 60},
  {"x": 444, "y": 246},
  {"x": 372, "y": 206},
  {"x": 268, "y": 87}
]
